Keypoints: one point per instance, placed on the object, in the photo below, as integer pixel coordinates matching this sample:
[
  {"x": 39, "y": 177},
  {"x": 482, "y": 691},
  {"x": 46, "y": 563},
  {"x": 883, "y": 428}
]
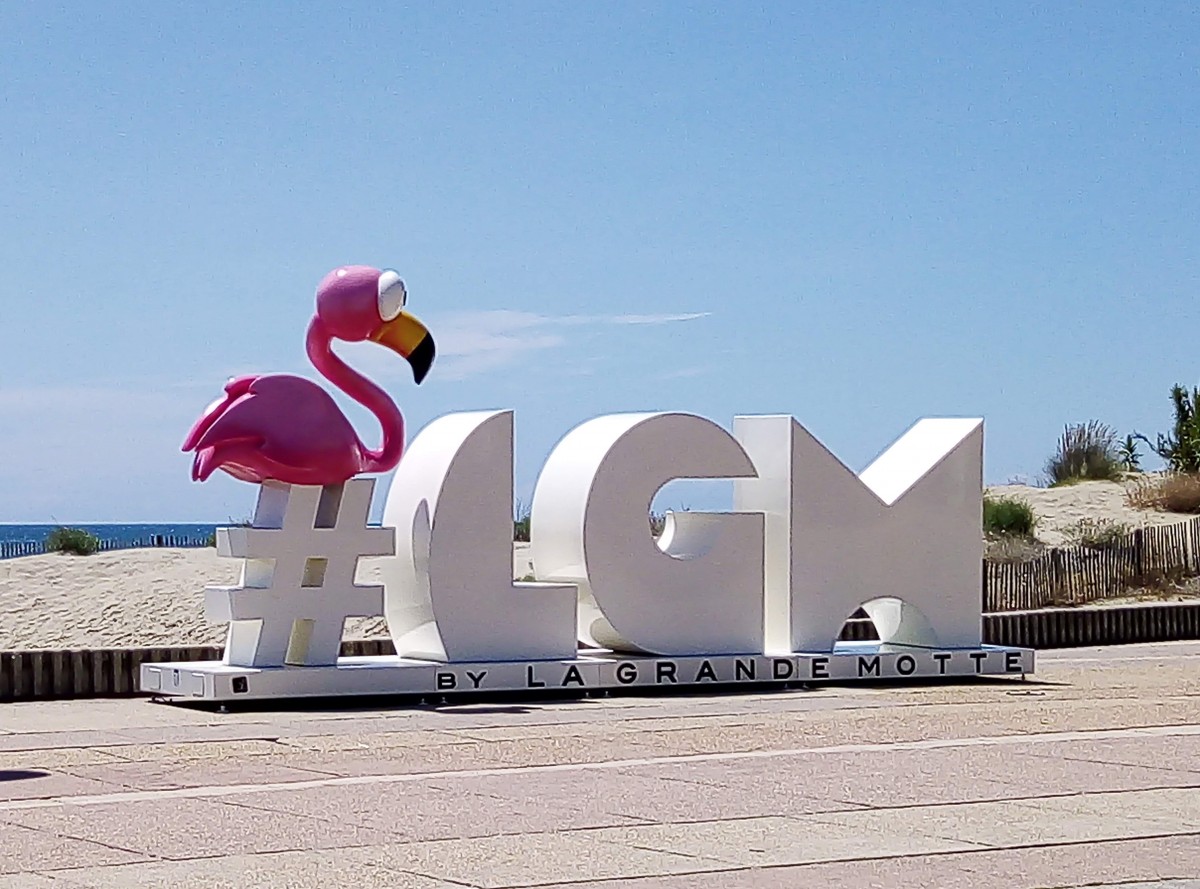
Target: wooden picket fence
[
  {"x": 1076, "y": 575},
  {"x": 1061, "y": 576},
  {"x": 11, "y": 549}
]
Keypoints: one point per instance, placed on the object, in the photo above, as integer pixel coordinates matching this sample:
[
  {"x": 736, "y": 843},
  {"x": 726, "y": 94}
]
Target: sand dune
[
  {"x": 1057, "y": 509},
  {"x": 135, "y": 597},
  {"x": 151, "y": 597}
]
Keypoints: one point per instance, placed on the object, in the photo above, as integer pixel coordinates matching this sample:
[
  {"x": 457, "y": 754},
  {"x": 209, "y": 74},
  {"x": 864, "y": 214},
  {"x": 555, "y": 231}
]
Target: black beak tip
[{"x": 422, "y": 358}]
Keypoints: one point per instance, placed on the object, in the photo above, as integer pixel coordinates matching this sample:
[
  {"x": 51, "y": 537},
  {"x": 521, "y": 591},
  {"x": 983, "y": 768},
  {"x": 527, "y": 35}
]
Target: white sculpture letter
[
  {"x": 903, "y": 539},
  {"x": 449, "y": 593},
  {"x": 699, "y": 590},
  {"x": 297, "y": 582}
]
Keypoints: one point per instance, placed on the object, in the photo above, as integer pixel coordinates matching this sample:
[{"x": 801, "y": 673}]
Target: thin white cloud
[
  {"x": 471, "y": 343},
  {"x": 97, "y": 400},
  {"x": 81, "y": 452},
  {"x": 659, "y": 319},
  {"x": 599, "y": 320},
  {"x": 683, "y": 373}
]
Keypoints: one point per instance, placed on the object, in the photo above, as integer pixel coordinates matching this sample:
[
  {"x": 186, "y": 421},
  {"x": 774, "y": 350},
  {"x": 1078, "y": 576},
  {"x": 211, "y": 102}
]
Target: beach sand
[
  {"x": 155, "y": 597},
  {"x": 1057, "y": 509},
  {"x": 136, "y": 597}
]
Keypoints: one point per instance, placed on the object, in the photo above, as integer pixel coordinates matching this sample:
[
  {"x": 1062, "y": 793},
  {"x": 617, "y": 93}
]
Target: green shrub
[
  {"x": 72, "y": 540},
  {"x": 1131, "y": 460},
  {"x": 1181, "y": 449},
  {"x": 521, "y": 516},
  {"x": 521, "y": 523},
  {"x": 1008, "y": 515},
  {"x": 1086, "y": 452}
]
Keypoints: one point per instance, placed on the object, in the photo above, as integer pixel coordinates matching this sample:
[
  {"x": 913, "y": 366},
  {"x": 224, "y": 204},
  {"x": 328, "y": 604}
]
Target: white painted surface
[
  {"x": 593, "y": 672},
  {"x": 701, "y": 591},
  {"x": 297, "y": 586},
  {"x": 810, "y": 543},
  {"x": 449, "y": 593},
  {"x": 903, "y": 540}
]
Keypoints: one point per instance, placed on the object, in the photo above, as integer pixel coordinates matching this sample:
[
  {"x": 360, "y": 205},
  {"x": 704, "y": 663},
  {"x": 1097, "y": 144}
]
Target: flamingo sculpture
[{"x": 288, "y": 429}]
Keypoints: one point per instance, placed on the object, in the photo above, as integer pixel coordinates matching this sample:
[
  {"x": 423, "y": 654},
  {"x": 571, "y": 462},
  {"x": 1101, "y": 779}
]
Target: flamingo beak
[{"x": 409, "y": 338}]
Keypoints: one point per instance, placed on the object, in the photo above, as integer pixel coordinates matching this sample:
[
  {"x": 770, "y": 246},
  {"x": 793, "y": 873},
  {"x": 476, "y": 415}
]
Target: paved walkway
[{"x": 1090, "y": 776}]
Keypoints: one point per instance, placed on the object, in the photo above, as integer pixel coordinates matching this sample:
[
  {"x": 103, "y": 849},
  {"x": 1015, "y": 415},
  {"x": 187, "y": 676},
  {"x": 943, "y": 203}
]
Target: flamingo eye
[{"x": 392, "y": 295}]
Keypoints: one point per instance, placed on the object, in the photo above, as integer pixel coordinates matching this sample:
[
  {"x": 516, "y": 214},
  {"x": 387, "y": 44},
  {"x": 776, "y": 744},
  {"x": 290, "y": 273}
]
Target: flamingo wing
[
  {"x": 234, "y": 389},
  {"x": 276, "y": 427}
]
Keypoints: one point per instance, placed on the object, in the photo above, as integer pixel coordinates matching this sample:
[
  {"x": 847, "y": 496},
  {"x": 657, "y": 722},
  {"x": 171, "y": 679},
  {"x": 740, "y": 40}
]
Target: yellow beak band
[{"x": 408, "y": 337}]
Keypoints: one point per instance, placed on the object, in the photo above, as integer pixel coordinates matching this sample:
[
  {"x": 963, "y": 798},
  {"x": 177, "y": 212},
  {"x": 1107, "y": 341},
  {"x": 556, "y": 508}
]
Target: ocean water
[{"x": 113, "y": 536}]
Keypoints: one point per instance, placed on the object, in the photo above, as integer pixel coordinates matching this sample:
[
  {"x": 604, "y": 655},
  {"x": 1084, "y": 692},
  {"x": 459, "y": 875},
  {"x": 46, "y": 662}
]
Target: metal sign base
[{"x": 594, "y": 670}]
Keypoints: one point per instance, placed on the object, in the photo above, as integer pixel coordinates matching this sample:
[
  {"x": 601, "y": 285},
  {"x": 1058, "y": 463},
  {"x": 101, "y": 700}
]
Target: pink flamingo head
[
  {"x": 286, "y": 428},
  {"x": 358, "y": 302}
]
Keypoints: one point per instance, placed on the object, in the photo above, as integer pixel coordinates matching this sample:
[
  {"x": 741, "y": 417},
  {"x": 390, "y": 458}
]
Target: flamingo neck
[{"x": 319, "y": 343}]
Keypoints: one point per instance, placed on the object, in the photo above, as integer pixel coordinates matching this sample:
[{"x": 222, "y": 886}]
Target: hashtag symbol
[{"x": 297, "y": 586}]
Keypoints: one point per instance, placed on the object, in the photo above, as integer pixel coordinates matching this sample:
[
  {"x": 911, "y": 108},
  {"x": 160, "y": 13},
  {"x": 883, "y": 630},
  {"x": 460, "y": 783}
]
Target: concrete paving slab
[
  {"x": 189, "y": 733},
  {"x": 1176, "y": 808},
  {"x": 284, "y": 870},
  {"x": 1000, "y": 824},
  {"x": 774, "y": 841},
  {"x": 82, "y": 716},
  {"x": 1088, "y": 864},
  {"x": 934, "y": 871},
  {"x": 879, "y": 778},
  {"x": 468, "y": 716},
  {"x": 26, "y": 849},
  {"x": 589, "y": 729},
  {"x": 1062, "y": 867},
  {"x": 1172, "y": 754},
  {"x": 54, "y": 759},
  {"x": 374, "y": 740},
  {"x": 37, "y": 784},
  {"x": 400, "y": 760},
  {"x": 32, "y": 881},
  {"x": 1050, "y": 776},
  {"x": 418, "y": 812},
  {"x": 188, "y": 828},
  {"x": 642, "y": 797},
  {"x": 550, "y": 751},
  {"x": 191, "y": 751},
  {"x": 530, "y": 860},
  {"x": 980, "y": 774},
  {"x": 25, "y": 742},
  {"x": 979, "y": 763},
  {"x": 118, "y": 735},
  {"x": 196, "y": 773}
]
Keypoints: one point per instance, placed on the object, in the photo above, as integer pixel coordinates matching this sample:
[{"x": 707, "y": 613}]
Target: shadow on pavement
[{"x": 20, "y": 774}]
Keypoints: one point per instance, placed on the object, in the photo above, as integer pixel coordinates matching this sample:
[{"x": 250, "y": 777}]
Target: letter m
[{"x": 903, "y": 539}]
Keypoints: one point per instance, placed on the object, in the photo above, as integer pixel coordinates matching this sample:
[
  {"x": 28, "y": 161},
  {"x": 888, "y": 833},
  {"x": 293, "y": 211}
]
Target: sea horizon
[
  {"x": 122, "y": 533},
  {"x": 125, "y": 533},
  {"x": 75, "y": 523}
]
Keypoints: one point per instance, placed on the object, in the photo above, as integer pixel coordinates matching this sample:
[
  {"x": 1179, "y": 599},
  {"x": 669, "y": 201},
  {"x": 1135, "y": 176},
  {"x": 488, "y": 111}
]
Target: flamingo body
[
  {"x": 279, "y": 427},
  {"x": 285, "y": 428}
]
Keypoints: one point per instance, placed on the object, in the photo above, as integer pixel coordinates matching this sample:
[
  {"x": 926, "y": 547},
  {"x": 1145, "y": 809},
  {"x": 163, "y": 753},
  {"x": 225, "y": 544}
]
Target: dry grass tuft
[
  {"x": 1096, "y": 533},
  {"x": 1173, "y": 492},
  {"x": 1011, "y": 548},
  {"x": 1086, "y": 451}
]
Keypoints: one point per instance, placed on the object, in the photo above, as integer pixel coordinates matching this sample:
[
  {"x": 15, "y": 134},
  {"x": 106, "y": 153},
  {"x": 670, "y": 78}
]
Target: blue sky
[{"x": 858, "y": 214}]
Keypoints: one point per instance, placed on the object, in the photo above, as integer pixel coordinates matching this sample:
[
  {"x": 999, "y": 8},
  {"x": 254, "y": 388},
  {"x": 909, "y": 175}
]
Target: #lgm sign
[{"x": 758, "y": 594}]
